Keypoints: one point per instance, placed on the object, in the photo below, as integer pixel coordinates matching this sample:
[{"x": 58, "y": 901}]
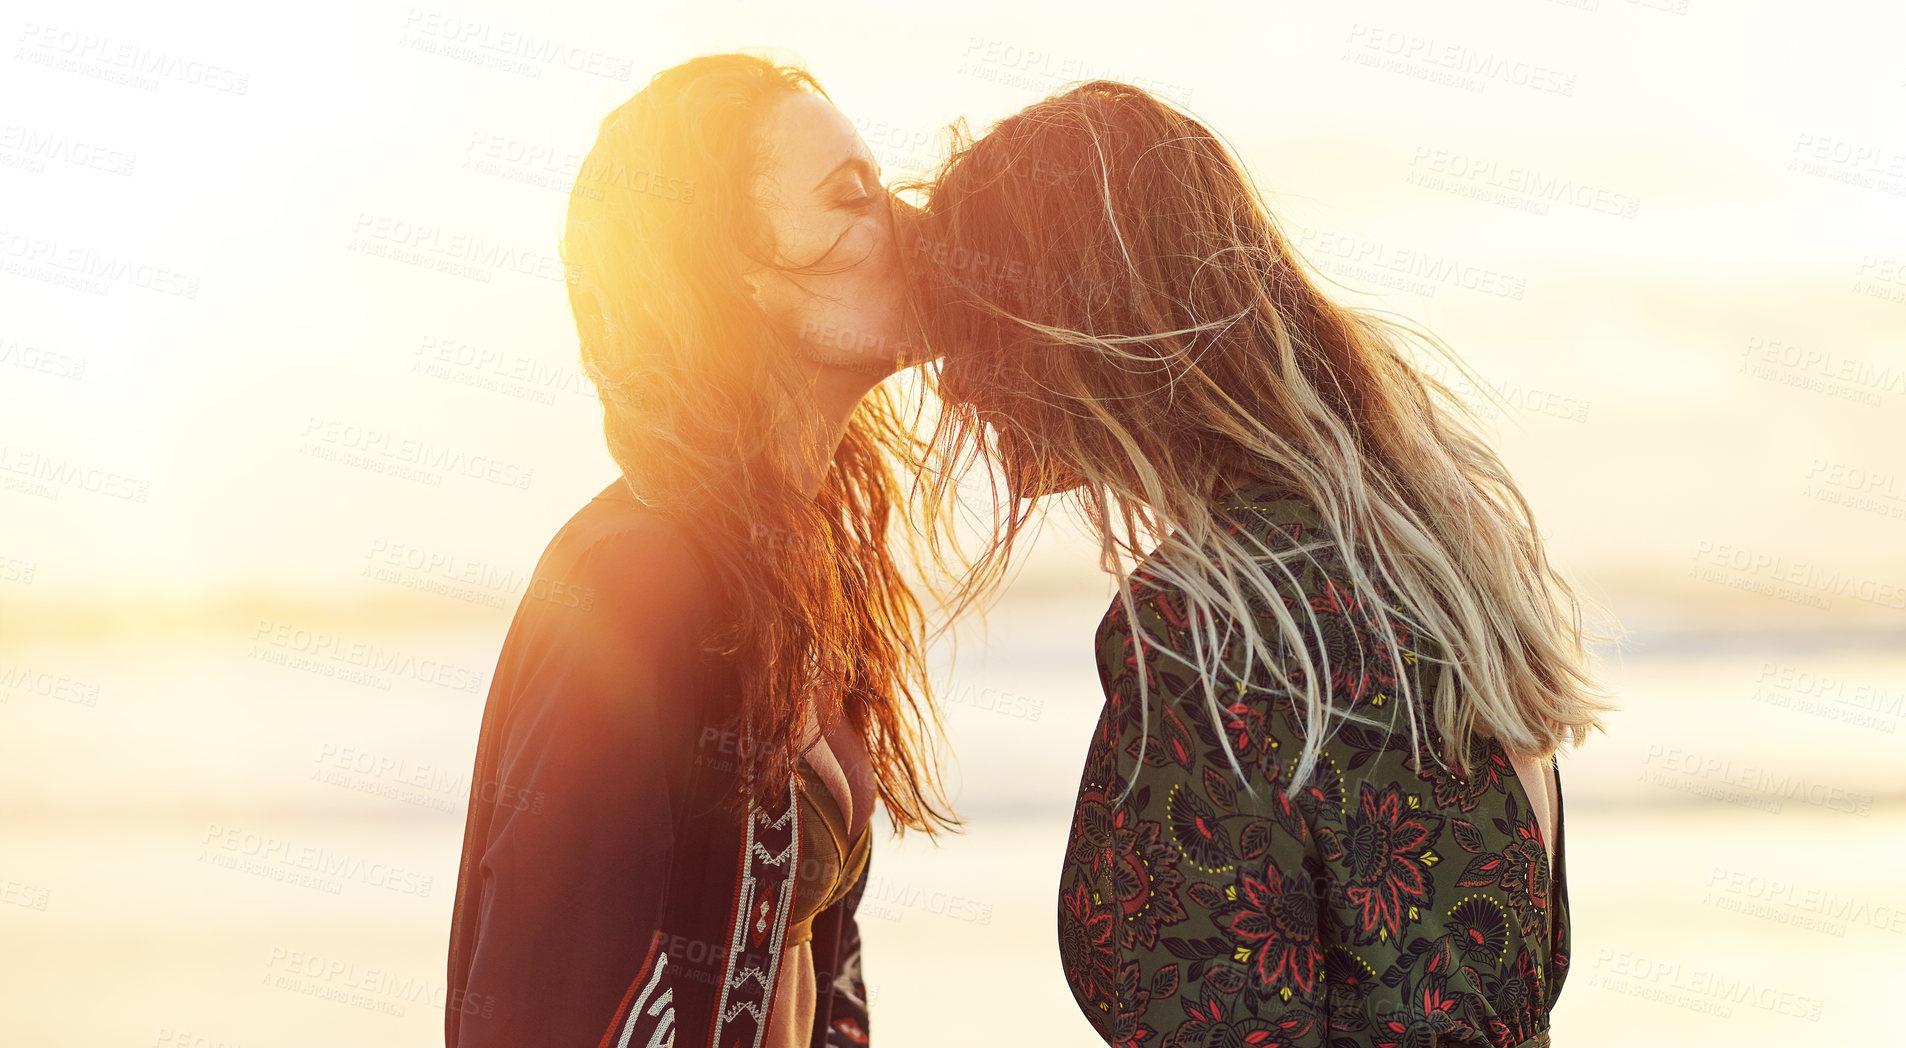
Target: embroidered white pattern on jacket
[
  {"x": 751, "y": 988},
  {"x": 662, "y": 1009}
]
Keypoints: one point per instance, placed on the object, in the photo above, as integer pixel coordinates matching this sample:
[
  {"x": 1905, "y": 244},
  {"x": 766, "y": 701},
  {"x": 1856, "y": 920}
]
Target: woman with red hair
[{"x": 717, "y": 669}]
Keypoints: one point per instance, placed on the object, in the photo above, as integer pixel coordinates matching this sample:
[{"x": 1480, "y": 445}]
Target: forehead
[{"x": 806, "y": 137}]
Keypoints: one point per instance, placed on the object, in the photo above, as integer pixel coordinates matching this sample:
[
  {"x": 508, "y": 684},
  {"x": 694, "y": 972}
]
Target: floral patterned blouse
[{"x": 1384, "y": 907}]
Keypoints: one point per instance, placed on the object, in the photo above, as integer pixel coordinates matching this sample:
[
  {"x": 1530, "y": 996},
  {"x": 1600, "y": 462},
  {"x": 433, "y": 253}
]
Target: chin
[
  {"x": 877, "y": 363},
  {"x": 872, "y": 366},
  {"x": 868, "y": 341}
]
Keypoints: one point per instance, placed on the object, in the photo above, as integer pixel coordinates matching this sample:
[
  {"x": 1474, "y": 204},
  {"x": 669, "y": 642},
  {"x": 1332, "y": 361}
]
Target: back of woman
[{"x": 1321, "y": 805}]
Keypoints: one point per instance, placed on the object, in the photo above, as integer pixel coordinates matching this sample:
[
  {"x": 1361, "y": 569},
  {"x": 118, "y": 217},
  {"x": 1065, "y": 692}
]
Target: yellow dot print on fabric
[
  {"x": 1500, "y": 912},
  {"x": 1171, "y": 800},
  {"x": 1352, "y": 954},
  {"x": 1342, "y": 797}
]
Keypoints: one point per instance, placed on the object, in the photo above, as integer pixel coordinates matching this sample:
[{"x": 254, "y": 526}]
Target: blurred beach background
[{"x": 246, "y": 253}]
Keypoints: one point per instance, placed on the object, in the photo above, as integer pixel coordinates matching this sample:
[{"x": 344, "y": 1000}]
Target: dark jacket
[{"x": 605, "y": 896}]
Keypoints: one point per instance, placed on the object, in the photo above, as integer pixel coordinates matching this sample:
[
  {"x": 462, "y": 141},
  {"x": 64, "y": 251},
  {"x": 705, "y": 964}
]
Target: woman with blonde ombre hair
[
  {"x": 1321, "y": 807},
  {"x": 717, "y": 670}
]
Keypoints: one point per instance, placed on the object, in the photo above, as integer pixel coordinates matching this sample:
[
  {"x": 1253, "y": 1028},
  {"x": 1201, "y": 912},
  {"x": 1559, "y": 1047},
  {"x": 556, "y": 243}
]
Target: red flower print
[
  {"x": 1356, "y": 643},
  {"x": 1485, "y": 777},
  {"x": 1085, "y": 945},
  {"x": 1145, "y": 876},
  {"x": 1195, "y": 829},
  {"x": 1387, "y": 849},
  {"x": 1274, "y": 920}
]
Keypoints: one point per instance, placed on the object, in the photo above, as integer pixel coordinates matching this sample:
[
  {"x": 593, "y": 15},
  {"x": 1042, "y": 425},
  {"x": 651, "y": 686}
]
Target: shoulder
[
  {"x": 1298, "y": 591},
  {"x": 1292, "y": 549},
  {"x": 621, "y": 607},
  {"x": 612, "y": 630},
  {"x": 1282, "y": 520},
  {"x": 617, "y": 553}
]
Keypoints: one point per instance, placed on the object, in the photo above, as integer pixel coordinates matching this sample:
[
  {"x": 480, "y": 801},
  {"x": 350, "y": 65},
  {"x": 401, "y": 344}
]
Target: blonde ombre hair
[{"x": 1122, "y": 321}]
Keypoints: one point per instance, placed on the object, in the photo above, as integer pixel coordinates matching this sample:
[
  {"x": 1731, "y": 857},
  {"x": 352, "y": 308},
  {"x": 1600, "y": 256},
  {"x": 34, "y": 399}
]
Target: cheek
[
  {"x": 862, "y": 289},
  {"x": 857, "y": 274},
  {"x": 801, "y": 236},
  {"x": 833, "y": 243},
  {"x": 845, "y": 301},
  {"x": 869, "y": 255}
]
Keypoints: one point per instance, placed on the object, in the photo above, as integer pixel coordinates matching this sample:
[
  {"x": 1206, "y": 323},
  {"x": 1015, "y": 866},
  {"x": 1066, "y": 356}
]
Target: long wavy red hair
[{"x": 693, "y": 379}]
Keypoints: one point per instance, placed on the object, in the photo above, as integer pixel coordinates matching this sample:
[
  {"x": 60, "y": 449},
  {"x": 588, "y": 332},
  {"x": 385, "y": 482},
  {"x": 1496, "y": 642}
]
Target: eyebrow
[{"x": 858, "y": 162}]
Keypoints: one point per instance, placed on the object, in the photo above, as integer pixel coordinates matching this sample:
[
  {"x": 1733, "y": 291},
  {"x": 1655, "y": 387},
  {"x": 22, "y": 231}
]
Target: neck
[{"x": 822, "y": 407}]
